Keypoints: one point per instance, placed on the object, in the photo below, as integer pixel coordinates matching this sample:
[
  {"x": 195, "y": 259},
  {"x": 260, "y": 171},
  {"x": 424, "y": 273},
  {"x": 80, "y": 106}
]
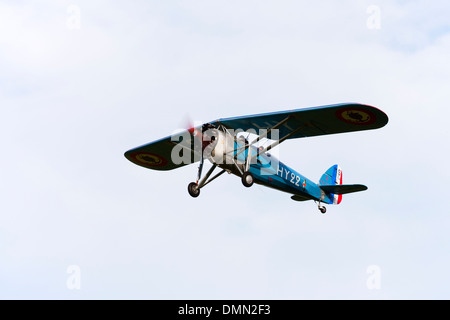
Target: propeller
[
  {"x": 196, "y": 134},
  {"x": 189, "y": 125},
  {"x": 198, "y": 141}
]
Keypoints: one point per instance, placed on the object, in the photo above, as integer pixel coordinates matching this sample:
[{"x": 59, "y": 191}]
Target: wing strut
[
  {"x": 247, "y": 146},
  {"x": 262, "y": 136},
  {"x": 247, "y": 177},
  {"x": 277, "y": 142}
]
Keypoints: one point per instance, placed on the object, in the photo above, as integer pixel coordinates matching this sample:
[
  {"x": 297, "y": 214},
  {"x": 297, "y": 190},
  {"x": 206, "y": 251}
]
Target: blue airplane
[{"x": 224, "y": 142}]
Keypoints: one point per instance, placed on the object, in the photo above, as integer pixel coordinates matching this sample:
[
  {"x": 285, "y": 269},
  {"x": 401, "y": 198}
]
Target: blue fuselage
[{"x": 269, "y": 171}]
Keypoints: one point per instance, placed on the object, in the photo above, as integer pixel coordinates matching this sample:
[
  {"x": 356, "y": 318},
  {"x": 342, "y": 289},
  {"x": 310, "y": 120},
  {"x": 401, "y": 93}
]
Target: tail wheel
[
  {"x": 247, "y": 179},
  {"x": 193, "y": 189},
  {"x": 323, "y": 209}
]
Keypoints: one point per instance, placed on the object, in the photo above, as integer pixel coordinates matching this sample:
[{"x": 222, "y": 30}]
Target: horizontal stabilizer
[
  {"x": 343, "y": 188},
  {"x": 301, "y": 198}
]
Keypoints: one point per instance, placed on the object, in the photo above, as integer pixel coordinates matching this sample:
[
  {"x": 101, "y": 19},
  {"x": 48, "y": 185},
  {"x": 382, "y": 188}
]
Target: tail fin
[{"x": 332, "y": 177}]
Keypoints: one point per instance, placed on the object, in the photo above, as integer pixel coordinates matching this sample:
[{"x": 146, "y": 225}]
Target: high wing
[
  {"x": 157, "y": 155},
  {"x": 310, "y": 122},
  {"x": 297, "y": 123}
]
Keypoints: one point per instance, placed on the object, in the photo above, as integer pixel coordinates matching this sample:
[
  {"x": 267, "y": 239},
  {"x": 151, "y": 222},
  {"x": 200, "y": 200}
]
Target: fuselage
[{"x": 267, "y": 170}]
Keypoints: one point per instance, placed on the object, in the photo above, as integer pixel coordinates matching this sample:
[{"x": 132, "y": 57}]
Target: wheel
[
  {"x": 247, "y": 179},
  {"x": 193, "y": 190},
  {"x": 323, "y": 209}
]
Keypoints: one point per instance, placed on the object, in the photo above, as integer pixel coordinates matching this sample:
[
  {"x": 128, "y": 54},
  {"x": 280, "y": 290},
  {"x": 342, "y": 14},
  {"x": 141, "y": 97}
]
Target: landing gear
[
  {"x": 193, "y": 189},
  {"x": 321, "y": 208},
  {"x": 247, "y": 179}
]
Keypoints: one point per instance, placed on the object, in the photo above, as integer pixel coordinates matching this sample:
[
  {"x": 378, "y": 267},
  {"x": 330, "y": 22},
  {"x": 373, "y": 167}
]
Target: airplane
[{"x": 225, "y": 143}]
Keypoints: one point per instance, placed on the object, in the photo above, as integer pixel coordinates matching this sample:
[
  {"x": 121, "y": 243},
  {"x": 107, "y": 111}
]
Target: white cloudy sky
[{"x": 73, "y": 100}]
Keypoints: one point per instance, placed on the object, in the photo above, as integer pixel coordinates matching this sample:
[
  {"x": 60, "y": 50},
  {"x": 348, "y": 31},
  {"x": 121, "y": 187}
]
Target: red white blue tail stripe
[{"x": 337, "y": 198}]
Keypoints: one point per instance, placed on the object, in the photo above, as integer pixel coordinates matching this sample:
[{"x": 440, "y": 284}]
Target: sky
[{"x": 82, "y": 82}]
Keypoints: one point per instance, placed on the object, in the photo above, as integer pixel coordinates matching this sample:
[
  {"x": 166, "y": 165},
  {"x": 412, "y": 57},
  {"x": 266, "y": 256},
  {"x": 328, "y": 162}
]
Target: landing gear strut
[{"x": 194, "y": 187}]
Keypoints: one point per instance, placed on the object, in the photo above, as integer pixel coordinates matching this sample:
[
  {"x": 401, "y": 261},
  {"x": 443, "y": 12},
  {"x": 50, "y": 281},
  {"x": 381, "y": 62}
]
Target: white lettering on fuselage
[
  {"x": 287, "y": 172},
  {"x": 289, "y": 176}
]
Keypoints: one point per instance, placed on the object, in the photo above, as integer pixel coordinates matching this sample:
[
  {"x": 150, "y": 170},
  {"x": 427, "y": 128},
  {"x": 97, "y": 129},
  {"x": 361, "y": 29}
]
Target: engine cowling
[{"x": 218, "y": 147}]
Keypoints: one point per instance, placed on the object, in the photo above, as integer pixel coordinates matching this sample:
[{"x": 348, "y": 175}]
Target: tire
[
  {"x": 193, "y": 190},
  {"x": 247, "y": 179}
]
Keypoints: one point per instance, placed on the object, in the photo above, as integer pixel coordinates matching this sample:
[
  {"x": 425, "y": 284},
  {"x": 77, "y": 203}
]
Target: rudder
[{"x": 332, "y": 177}]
